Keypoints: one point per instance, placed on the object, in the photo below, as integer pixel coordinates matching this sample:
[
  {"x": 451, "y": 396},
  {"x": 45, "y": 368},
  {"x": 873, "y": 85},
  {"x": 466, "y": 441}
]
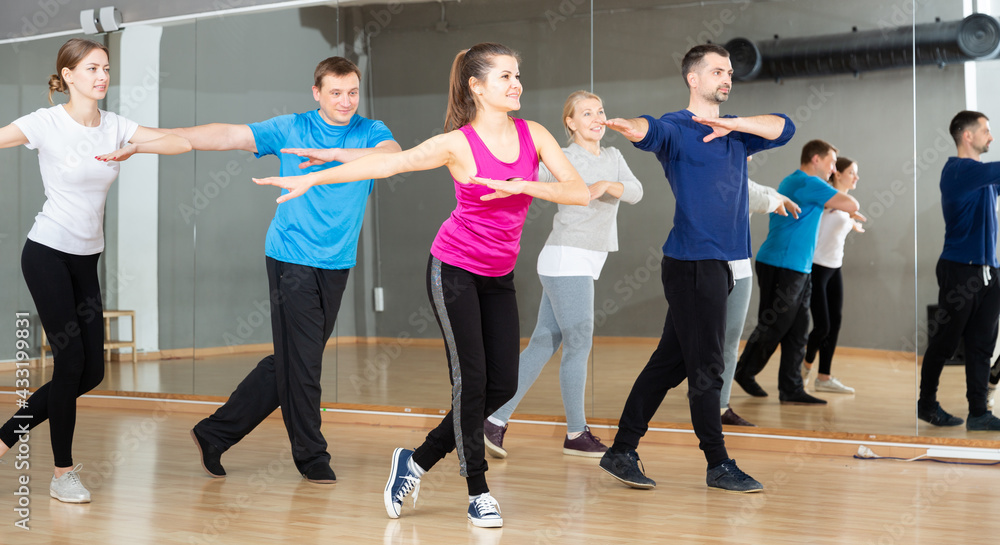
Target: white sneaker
[
  {"x": 68, "y": 488},
  {"x": 990, "y": 392},
  {"x": 805, "y": 373},
  {"x": 484, "y": 512},
  {"x": 832, "y": 385}
]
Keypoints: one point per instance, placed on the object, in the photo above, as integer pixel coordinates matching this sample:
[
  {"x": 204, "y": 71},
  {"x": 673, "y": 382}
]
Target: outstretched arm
[
  {"x": 217, "y": 137},
  {"x": 847, "y": 203},
  {"x": 147, "y": 140},
  {"x": 634, "y": 129},
  {"x": 11, "y": 136},
  {"x": 768, "y": 126},
  {"x": 432, "y": 153},
  {"x": 319, "y": 156},
  {"x": 569, "y": 187}
]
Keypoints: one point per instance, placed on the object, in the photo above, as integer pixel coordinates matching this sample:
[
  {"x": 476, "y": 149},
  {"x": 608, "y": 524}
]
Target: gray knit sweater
[{"x": 592, "y": 227}]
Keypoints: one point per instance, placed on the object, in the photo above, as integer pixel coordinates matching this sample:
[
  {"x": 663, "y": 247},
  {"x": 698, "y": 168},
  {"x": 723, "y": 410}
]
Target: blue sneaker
[
  {"x": 401, "y": 482},
  {"x": 484, "y": 512}
]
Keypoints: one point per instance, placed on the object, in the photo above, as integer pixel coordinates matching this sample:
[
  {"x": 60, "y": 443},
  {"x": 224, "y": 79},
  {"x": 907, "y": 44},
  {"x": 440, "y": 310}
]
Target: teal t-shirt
[
  {"x": 319, "y": 229},
  {"x": 791, "y": 242}
]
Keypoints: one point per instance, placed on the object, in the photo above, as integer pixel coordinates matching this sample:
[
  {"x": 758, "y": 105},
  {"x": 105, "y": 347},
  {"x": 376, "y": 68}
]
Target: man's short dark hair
[
  {"x": 964, "y": 121},
  {"x": 336, "y": 66},
  {"x": 696, "y": 56},
  {"x": 814, "y": 148}
]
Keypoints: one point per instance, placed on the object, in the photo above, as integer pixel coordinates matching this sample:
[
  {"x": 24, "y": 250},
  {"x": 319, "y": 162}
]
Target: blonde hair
[
  {"x": 569, "y": 108},
  {"x": 475, "y": 62},
  {"x": 70, "y": 55}
]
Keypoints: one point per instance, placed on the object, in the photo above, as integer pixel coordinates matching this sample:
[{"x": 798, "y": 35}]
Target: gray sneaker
[
  {"x": 68, "y": 488},
  {"x": 730, "y": 478}
]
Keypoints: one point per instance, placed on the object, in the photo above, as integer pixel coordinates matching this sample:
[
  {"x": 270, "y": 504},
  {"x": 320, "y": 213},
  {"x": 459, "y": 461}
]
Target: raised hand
[
  {"x": 633, "y": 129},
  {"x": 721, "y": 126},
  {"x": 858, "y": 218},
  {"x": 787, "y": 206},
  {"x": 296, "y": 185},
  {"x": 119, "y": 154},
  {"x": 504, "y": 188},
  {"x": 316, "y": 156}
]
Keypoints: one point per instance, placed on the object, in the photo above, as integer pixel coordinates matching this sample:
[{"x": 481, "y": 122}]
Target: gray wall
[{"x": 869, "y": 118}]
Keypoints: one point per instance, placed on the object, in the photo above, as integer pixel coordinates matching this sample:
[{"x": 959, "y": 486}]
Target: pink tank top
[{"x": 484, "y": 237}]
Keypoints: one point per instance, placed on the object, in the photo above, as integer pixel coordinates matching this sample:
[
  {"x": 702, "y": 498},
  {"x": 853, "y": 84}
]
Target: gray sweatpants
[{"x": 566, "y": 316}]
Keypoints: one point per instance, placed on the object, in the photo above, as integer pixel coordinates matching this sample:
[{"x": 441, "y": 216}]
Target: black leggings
[
  {"x": 827, "y": 305},
  {"x": 67, "y": 295},
  {"x": 478, "y": 318}
]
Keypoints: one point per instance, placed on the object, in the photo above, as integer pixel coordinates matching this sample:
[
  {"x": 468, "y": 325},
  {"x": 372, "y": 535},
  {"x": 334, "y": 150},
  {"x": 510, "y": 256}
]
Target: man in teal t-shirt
[
  {"x": 311, "y": 246},
  {"x": 784, "y": 264}
]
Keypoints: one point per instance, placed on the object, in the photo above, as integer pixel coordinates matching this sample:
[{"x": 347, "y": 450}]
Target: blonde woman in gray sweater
[{"x": 568, "y": 265}]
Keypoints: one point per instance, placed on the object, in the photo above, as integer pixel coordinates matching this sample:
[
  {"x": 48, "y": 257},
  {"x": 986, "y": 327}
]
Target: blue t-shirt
[
  {"x": 319, "y": 229},
  {"x": 969, "y": 203},
  {"x": 791, "y": 242},
  {"x": 709, "y": 181}
]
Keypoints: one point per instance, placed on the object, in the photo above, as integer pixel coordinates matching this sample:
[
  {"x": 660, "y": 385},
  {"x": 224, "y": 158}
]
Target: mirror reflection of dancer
[
  {"x": 310, "y": 249},
  {"x": 968, "y": 290},
  {"x": 59, "y": 260},
  {"x": 827, "y": 302},
  {"x": 763, "y": 199},
  {"x": 705, "y": 159},
  {"x": 784, "y": 267},
  {"x": 568, "y": 265},
  {"x": 470, "y": 270}
]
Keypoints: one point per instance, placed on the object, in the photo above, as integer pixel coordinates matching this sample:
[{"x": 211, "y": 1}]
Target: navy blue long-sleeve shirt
[
  {"x": 709, "y": 181},
  {"x": 969, "y": 203}
]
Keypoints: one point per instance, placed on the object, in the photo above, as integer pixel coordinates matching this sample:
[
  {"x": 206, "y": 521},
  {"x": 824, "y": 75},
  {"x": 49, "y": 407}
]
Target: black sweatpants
[
  {"x": 478, "y": 318},
  {"x": 968, "y": 309},
  {"x": 304, "y": 305},
  {"x": 67, "y": 295},
  {"x": 826, "y": 305},
  {"x": 690, "y": 347},
  {"x": 782, "y": 318}
]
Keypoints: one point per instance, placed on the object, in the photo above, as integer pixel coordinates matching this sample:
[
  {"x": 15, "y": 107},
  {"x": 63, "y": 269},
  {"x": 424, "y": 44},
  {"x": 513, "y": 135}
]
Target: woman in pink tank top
[{"x": 493, "y": 160}]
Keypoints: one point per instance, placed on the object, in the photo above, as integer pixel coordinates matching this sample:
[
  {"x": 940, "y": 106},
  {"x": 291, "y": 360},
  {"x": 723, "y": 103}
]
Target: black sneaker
[
  {"x": 938, "y": 416},
  {"x": 984, "y": 422},
  {"x": 626, "y": 467},
  {"x": 211, "y": 457},
  {"x": 320, "y": 473},
  {"x": 726, "y": 476},
  {"x": 801, "y": 398},
  {"x": 750, "y": 386}
]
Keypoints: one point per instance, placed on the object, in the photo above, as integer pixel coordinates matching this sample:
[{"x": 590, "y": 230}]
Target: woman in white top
[
  {"x": 79, "y": 147},
  {"x": 828, "y": 285},
  {"x": 568, "y": 265}
]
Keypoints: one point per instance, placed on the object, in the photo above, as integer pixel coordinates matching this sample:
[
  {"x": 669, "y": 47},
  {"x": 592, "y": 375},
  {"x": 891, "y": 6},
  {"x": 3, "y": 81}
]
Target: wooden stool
[{"x": 109, "y": 345}]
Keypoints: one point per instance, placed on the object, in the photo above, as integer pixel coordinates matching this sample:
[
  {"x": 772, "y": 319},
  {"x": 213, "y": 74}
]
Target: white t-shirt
[
  {"x": 76, "y": 184},
  {"x": 834, "y": 225},
  {"x": 556, "y": 260}
]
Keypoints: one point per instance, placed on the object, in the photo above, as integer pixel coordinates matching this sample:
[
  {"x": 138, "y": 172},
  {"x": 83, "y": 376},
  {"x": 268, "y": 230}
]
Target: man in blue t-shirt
[
  {"x": 784, "y": 265},
  {"x": 310, "y": 248},
  {"x": 705, "y": 159},
  {"x": 968, "y": 296}
]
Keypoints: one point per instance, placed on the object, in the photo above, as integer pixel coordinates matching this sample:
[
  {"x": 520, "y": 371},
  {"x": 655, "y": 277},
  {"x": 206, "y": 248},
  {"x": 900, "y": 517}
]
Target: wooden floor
[
  {"x": 148, "y": 487},
  {"x": 416, "y": 376}
]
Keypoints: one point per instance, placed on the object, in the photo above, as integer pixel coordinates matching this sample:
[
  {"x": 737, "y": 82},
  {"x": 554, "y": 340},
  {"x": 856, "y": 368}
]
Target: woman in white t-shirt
[
  {"x": 79, "y": 147},
  {"x": 827, "y": 284}
]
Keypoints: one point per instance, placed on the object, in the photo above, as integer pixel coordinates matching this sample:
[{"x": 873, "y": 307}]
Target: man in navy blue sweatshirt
[
  {"x": 704, "y": 157},
  {"x": 968, "y": 296}
]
